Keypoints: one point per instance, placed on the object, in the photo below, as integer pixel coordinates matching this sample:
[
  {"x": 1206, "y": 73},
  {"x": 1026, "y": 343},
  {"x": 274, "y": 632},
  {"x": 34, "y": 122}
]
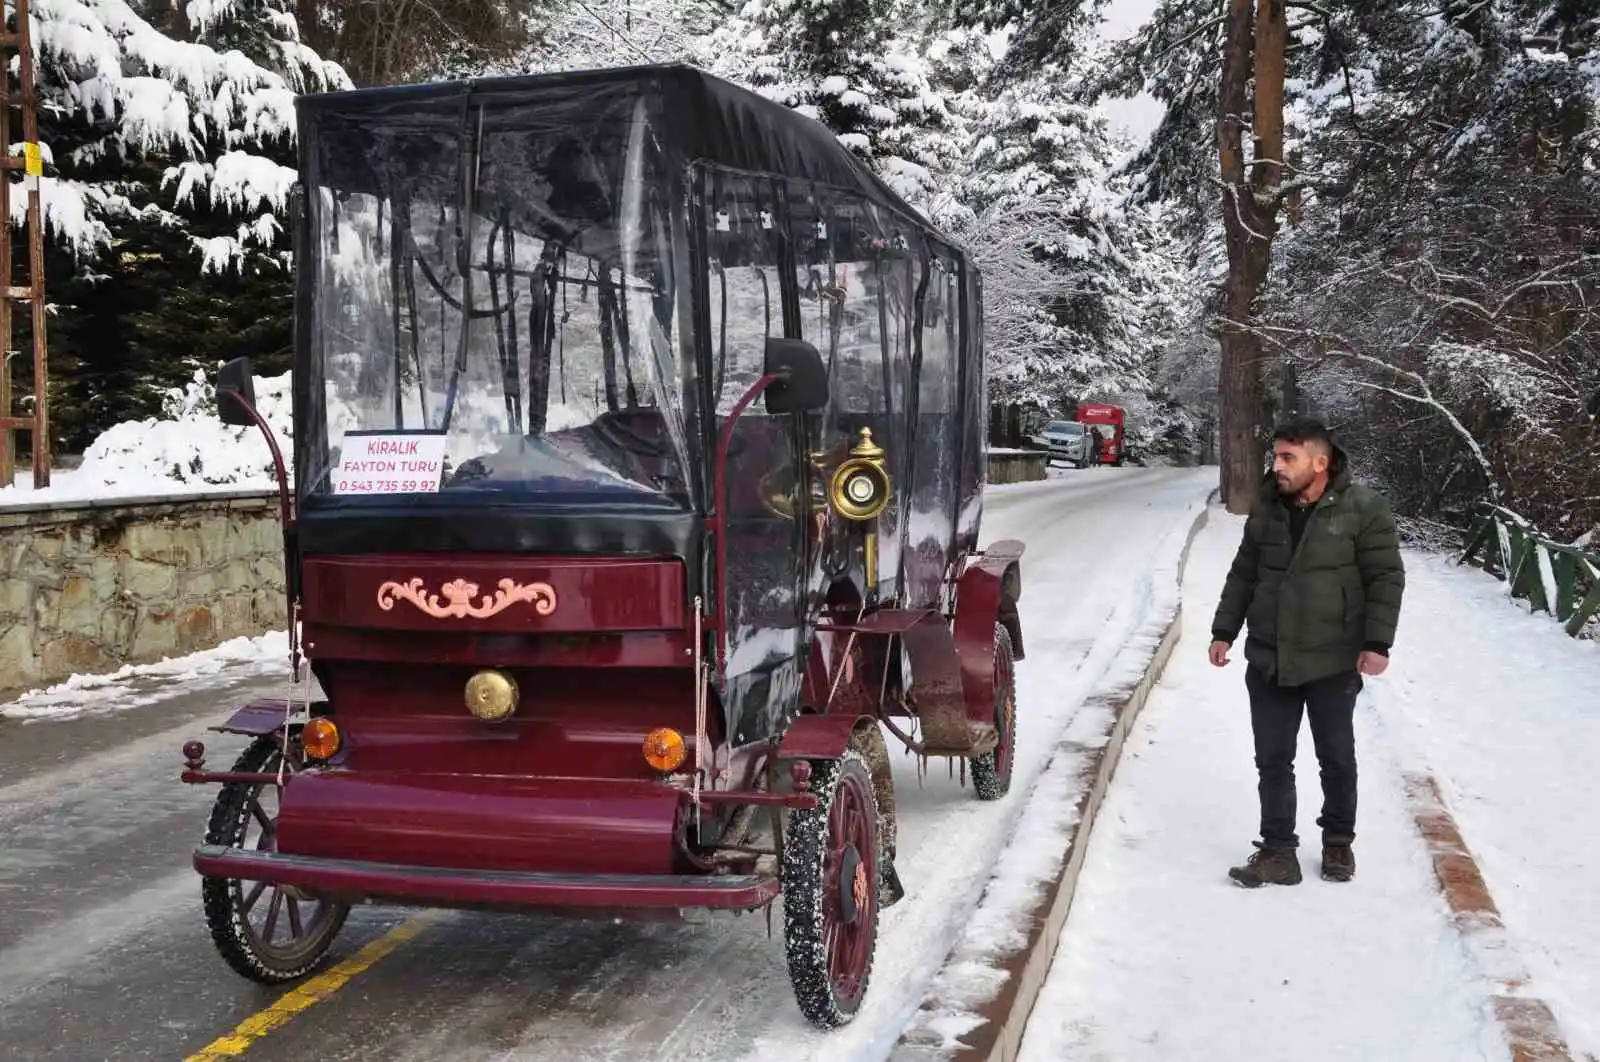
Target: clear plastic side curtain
[{"x": 763, "y": 513}]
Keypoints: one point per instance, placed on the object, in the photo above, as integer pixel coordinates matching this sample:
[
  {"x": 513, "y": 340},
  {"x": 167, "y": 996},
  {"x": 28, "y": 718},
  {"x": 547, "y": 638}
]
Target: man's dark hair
[{"x": 1303, "y": 430}]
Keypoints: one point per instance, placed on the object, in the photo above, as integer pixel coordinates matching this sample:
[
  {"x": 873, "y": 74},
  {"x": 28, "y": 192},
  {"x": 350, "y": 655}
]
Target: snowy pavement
[
  {"x": 1504, "y": 710},
  {"x": 1164, "y": 958},
  {"x": 102, "y": 933}
]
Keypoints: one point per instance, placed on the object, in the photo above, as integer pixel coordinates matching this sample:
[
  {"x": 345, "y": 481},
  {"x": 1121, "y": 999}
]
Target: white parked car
[{"x": 1067, "y": 440}]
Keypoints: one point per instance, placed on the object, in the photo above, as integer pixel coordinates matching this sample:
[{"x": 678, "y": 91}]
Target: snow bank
[
  {"x": 137, "y": 685},
  {"x": 1033, "y": 858},
  {"x": 1501, "y": 706},
  {"x": 186, "y": 451}
]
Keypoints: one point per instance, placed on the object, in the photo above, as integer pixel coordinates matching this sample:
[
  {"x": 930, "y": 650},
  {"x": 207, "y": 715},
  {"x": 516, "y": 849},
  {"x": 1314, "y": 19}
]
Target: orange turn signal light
[
  {"x": 320, "y": 739},
  {"x": 664, "y": 749}
]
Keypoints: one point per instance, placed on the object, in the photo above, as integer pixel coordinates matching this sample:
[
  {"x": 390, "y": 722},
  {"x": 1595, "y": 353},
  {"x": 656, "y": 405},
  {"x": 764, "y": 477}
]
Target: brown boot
[
  {"x": 1268, "y": 866},
  {"x": 1338, "y": 862}
]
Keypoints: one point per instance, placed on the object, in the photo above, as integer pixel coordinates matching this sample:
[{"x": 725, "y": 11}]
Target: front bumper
[{"x": 355, "y": 881}]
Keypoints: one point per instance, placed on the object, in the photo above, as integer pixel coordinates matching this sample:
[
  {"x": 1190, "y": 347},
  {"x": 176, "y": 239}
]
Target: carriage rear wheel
[
  {"x": 991, "y": 772},
  {"x": 268, "y": 933},
  {"x": 830, "y": 892}
]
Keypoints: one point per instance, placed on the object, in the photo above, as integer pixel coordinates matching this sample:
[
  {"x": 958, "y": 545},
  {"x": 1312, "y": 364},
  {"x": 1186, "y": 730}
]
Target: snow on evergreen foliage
[
  {"x": 1434, "y": 285},
  {"x": 170, "y": 123},
  {"x": 187, "y": 445},
  {"x": 593, "y": 34},
  {"x": 858, "y": 66},
  {"x": 122, "y": 102},
  {"x": 1081, "y": 282}
]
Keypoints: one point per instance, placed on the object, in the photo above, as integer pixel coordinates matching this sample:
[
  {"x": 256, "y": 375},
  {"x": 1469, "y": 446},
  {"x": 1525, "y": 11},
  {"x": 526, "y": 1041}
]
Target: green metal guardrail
[{"x": 1555, "y": 578}]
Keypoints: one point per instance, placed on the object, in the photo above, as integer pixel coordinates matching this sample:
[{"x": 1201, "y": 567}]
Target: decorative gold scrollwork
[{"x": 458, "y": 594}]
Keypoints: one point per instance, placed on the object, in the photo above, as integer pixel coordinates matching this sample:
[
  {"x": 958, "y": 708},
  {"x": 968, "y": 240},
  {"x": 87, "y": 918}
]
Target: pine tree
[
  {"x": 168, "y": 130},
  {"x": 1081, "y": 296},
  {"x": 1440, "y": 289},
  {"x": 860, "y": 67}
]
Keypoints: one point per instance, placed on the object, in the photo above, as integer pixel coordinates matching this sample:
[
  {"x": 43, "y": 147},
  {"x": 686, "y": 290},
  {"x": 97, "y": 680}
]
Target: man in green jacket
[{"x": 1318, "y": 579}]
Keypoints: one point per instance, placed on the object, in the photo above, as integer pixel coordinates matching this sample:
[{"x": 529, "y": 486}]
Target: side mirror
[
  {"x": 235, "y": 378},
  {"x": 804, "y": 388}
]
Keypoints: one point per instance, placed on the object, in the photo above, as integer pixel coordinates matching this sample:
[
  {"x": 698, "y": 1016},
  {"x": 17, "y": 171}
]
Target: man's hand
[
  {"x": 1370, "y": 663},
  {"x": 1219, "y": 654}
]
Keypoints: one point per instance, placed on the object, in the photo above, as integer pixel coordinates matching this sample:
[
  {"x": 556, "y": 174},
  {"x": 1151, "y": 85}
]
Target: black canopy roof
[{"x": 701, "y": 118}]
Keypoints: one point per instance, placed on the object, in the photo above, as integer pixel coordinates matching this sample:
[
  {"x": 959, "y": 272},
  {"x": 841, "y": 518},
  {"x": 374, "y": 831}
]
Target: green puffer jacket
[{"x": 1312, "y": 610}]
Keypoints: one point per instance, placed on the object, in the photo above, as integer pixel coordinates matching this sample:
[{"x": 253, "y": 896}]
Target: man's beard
[{"x": 1289, "y": 489}]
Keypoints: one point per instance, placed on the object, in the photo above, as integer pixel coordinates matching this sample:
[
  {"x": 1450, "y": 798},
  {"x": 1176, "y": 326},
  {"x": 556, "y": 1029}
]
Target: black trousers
[{"x": 1275, "y": 718}]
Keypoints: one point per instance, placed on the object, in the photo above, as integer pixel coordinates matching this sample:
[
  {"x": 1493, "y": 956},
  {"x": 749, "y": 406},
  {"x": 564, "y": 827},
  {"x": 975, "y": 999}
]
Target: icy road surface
[{"x": 103, "y": 952}]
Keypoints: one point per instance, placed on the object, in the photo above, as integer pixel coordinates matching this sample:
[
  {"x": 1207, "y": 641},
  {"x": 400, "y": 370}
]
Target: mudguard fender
[
  {"x": 820, "y": 736},
  {"x": 986, "y": 594},
  {"x": 256, "y": 718},
  {"x": 827, "y": 737}
]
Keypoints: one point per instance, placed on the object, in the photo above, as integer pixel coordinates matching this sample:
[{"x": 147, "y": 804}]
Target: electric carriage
[{"x": 637, "y": 469}]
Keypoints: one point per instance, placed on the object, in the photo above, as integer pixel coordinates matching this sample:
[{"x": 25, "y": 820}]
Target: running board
[{"x": 352, "y": 881}]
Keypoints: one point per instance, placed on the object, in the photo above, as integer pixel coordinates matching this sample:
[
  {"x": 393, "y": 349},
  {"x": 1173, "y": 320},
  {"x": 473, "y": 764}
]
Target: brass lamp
[{"x": 860, "y": 490}]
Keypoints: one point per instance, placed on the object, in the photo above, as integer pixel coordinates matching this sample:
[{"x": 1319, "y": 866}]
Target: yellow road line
[{"x": 310, "y": 993}]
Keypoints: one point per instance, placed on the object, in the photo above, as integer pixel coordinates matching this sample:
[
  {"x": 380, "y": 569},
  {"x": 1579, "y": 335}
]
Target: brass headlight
[
  {"x": 860, "y": 487},
  {"x": 491, "y": 695}
]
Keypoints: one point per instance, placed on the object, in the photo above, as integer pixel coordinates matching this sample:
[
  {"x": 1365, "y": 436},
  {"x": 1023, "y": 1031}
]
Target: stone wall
[
  {"x": 88, "y": 587},
  {"x": 1016, "y": 466}
]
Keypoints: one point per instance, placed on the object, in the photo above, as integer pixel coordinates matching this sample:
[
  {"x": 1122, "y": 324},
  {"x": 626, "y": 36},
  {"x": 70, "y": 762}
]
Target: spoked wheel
[
  {"x": 991, "y": 772},
  {"x": 830, "y": 892},
  {"x": 268, "y": 933}
]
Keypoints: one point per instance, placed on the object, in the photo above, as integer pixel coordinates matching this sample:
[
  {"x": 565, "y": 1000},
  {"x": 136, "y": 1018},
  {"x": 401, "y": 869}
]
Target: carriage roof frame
[{"x": 794, "y": 146}]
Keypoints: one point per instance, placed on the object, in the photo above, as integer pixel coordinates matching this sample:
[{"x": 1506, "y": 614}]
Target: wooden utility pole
[
  {"x": 25, "y": 98},
  {"x": 1253, "y": 58}
]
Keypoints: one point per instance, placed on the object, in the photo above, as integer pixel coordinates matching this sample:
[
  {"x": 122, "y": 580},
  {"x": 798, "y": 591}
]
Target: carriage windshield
[{"x": 493, "y": 305}]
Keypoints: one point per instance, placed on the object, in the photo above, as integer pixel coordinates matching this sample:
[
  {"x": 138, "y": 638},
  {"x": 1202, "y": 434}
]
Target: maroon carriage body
[{"x": 637, "y": 479}]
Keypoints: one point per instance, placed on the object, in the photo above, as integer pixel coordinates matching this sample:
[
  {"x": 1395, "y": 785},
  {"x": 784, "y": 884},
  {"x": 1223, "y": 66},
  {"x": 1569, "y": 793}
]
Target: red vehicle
[
  {"x": 638, "y": 473},
  {"x": 1113, "y": 443}
]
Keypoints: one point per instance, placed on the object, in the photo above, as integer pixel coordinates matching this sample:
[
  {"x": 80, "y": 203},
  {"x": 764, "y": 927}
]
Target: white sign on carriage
[{"x": 390, "y": 463}]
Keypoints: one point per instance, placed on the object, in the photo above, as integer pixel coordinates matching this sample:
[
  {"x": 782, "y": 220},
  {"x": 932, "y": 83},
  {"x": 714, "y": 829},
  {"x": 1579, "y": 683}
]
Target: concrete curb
[{"x": 996, "y": 1035}]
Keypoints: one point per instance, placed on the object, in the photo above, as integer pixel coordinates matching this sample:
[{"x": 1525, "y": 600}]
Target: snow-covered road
[
  {"x": 1164, "y": 958},
  {"x": 101, "y": 934}
]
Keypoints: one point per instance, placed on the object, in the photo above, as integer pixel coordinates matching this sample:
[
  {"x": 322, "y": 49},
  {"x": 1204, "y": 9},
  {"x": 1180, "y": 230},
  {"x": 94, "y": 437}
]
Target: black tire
[
  {"x": 831, "y": 983},
  {"x": 991, "y": 772},
  {"x": 229, "y": 903}
]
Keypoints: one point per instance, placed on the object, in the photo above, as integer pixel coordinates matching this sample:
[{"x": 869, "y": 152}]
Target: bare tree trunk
[
  {"x": 1238, "y": 379},
  {"x": 1256, "y": 44},
  {"x": 177, "y": 21},
  {"x": 309, "y": 17}
]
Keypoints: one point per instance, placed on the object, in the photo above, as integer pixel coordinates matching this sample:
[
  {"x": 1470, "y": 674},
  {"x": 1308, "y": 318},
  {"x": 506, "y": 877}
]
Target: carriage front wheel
[
  {"x": 991, "y": 772},
  {"x": 268, "y": 933},
  {"x": 830, "y": 891}
]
